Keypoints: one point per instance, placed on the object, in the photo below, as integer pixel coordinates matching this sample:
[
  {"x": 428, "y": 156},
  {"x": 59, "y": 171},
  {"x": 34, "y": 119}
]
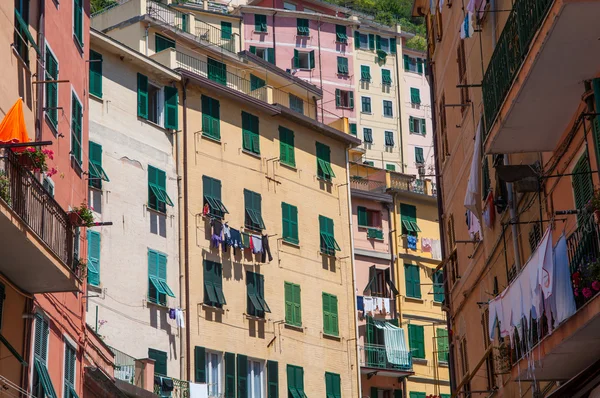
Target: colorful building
[
  {"x": 133, "y": 183},
  {"x": 498, "y": 113}
]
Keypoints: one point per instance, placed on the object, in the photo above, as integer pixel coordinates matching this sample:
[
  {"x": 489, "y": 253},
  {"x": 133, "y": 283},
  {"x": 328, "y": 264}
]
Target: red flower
[
  {"x": 30, "y": 149},
  {"x": 587, "y": 292},
  {"x": 576, "y": 292},
  {"x": 576, "y": 278},
  {"x": 596, "y": 285}
]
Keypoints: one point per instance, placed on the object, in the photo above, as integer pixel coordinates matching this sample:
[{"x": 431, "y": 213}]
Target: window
[
  {"x": 295, "y": 381},
  {"x": 464, "y": 362},
  {"x": 486, "y": 184},
  {"x": 442, "y": 345},
  {"x": 252, "y": 203},
  {"x": 416, "y": 341},
  {"x": 256, "y": 83},
  {"x": 413, "y": 281},
  {"x": 250, "y": 136},
  {"x": 415, "y": 96},
  {"x": 340, "y": 33},
  {"x": 408, "y": 216},
  {"x": 213, "y": 284},
  {"x": 419, "y": 159},
  {"x": 42, "y": 383},
  {"x": 70, "y": 371},
  {"x": 369, "y": 163},
  {"x": 462, "y": 76},
  {"x": 344, "y": 99},
  {"x": 367, "y": 135},
  {"x": 387, "y": 109},
  {"x": 368, "y": 217},
  {"x": 302, "y": 27},
  {"x": 342, "y": 65},
  {"x": 583, "y": 187},
  {"x": 438, "y": 286},
  {"x": 48, "y": 185},
  {"x": 413, "y": 64},
  {"x": 217, "y": 71},
  {"x": 255, "y": 379},
  {"x": 289, "y": 221},
  {"x": 95, "y": 74},
  {"x": 93, "y": 239},
  {"x": 389, "y": 138},
  {"x": 260, "y": 23},
  {"x": 386, "y": 77},
  {"x": 365, "y": 73},
  {"x": 76, "y": 125},
  {"x": 268, "y": 54},
  {"x": 78, "y": 21},
  {"x": 286, "y": 147},
  {"x": 289, "y": 6},
  {"x": 158, "y": 290},
  {"x": 151, "y": 103},
  {"x": 51, "y": 88},
  {"x": 22, "y": 35},
  {"x": 293, "y": 308},
  {"x": 212, "y": 196},
  {"x": 96, "y": 172},
  {"x": 256, "y": 304},
  {"x": 296, "y": 104},
  {"x": 211, "y": 117},
  {"x": 384, "y": 44},
  {"x": 332, "y": 385},
  {"x": 213, "y": 373},
  {"x": 225, "y": 30},
  {"x": 353, "y": 129},
  {"x": 272, "y": 379},
  {"x": 324, "y": 170},
  {"x": 416, "y": 125},
  {"x": 390, "y": 167},
  {"x": 366, "y": 104},
  {"x": 162, "y": 43},
  {"x": 379, "y": 282},
  {"x": 330, "y": 314},
  {"x": 326, "y": 231},
  {"x": 361, "y": 40},
  {"x": 160, "y": 361},
  {"x": 304, "y": 59},
  {"x": 158, "y": 199}
]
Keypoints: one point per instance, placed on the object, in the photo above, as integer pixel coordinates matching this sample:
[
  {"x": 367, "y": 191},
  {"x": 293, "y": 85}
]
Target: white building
[{"x": 133, "y": 264}]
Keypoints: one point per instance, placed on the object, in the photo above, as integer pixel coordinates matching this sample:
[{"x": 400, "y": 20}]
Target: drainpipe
[
  {"x": 351, "y": 224},
  {"x": 186, "y": 240},
  {"x": 399, "y": 100},
  {"x": 146, "y": 38},
  {"x": 514, "y": 228},
  {"x": 321, "y": 70},
  {"x": 440, "y": 203}
]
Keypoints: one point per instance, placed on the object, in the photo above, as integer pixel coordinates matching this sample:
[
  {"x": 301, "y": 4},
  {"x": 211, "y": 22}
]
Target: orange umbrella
[{"x": 12, "y": 128}]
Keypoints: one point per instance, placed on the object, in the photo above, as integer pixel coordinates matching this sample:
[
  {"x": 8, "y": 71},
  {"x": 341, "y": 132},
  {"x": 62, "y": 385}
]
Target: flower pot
[
  {"x": 597, "y": 216},
  {"x": 75, "y": 220},
  {"x": 26, "y": 161}
]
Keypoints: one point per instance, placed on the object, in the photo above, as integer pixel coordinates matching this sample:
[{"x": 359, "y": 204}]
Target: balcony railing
[
  {"x": 364, "y": 184},
  {"x": 226, "y": 40},
  {"x": 583, "y": 247},
  {"x": 124, "y": 366},
  {"x": 181, "y": 389},
  {"x": 376, "y": 356},
  {"x": 25, "y": 195},
  {"x": 509, "y": 54}
]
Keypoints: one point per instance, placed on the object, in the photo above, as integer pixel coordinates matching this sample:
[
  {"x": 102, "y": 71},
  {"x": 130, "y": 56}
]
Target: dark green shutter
[
  {"x": 217, "y": 71},
  {"x": 160, "y": 361},
  {"x": 229, "y": 375},
  {"x": 286, "y": 146},
  {"x": 338, "y": 100},
  {"x": 406, "y": 62},
  {"x": 296, "y": 63},
  {"x": 162, "y": 43},
  {"x": 95, "y": 74},
  {"x": 583, "y": 187},
  {"x": 200, "y": 364},
  {"x": 438, "y": 287},
  {"x": 225, "y": 30},
  {"x": 171, "y": 108},
  {"x": 419, "y": 65},
  {"x": 416, "y": 341},
  {"x": 351, "y": 95},
  {"x": 250, "y": 133},
  {"x": 362, "y": 215},
  {"x": 311, "y": 59},
  {"x": 289, "y": 303},
  {"x": 272, "y": 379},
  {"x": 76, "y": 126},
  {"x": 289, "y": 218},
  {"x": 256, "y": 83},
  {"x": 356, "y": 39},
  {"x": 2, "y": 297},
  {"x": 211, "y": 117},
  {"x": 242, "y": 376},
  {"x": 442, "y": 345},
  {"x": 78, "y": 21},
  {"x": 374, "y": 392},
  {"x": 142, "y": 95},
  {"x": 52, "y": 88},
  {"x": 253, "y": 50},
  {"x": 260, "y": 23},
  {"x": 378, "y": 42},
  {"x": 93, "y": 239},
  {"x": 596, "y": 122},
  {"x": 371, "y": 41},
  {"x": 393, "y": 51},
  {"x": 353, "y": 128},
  {"x": 398, "y": 394},
  {"x": 271, "y": 55}
]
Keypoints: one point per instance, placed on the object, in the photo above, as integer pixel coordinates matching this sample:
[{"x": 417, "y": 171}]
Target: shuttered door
[
  {"x": 272, "y": 379},
  {"x": 93, "y": 239},
  {"x": 171, "y": 108},
  {"x": 229, "y": 375},
  {"x": 142, "y": 95},
  {"x": 200, "y": 364},
  {"x": 242, "y": 376},
  {"x": 160, "y": 358}
]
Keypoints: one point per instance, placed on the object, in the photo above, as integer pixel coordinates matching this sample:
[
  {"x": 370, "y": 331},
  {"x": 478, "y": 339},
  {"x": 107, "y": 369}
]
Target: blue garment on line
[
  {"x": 412, "y": 242},
  {"x": 360, "y": 306}
]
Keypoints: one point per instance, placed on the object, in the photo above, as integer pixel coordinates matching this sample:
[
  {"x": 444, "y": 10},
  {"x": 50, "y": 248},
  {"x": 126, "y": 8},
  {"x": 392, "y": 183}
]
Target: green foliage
[
  {"x": 98, "y": 5},
  {"x": 417, "y": 43}
]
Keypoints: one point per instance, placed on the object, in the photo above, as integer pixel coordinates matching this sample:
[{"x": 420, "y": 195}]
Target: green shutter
[
  {"x": 596, "y": 122},
  {"x": 356, "y": 39},
  {"x": 371, "y": 41},
  {"x": 95, "y": 74},
  {"x": 78, "y": 21},
  {"x": 390, "y": 167},
  {"x": 162, "y": 43},
  {"x": 413, "y": 281},
  {"x": 256, "y": 83},
  {"x": 96, "y": 172},
  {"x": 272, "y": 379},
  {"x": 289, "y": 217},
  {"x": 324, "y": 170},
  {"x": 217, "y": 71},
  {"x": 377, "y": 42},
  {"x": 253, "y": 50},
  {"x": 422, "y": 123},
  {"x": 160, "y": 361},
  {"x": 211, "y": 117},
  {"x": 330, "y": 314},
  {"x": 583, "y": 187},
  {"x": 365, "y": 73},
  {"x": 296, "y": 61},
  {"x": 142, "y": 95},
  {"x": 442, "y": 345},
  {"x": 52, "y": 88},
  {"x": 408, "y": 218},
  {"x": 419, "y": 155},
  {"x": 293, "y": 305},
  {"x": 414, "y": 394},
  {"x": 342, "y": 65},
  {"x": 351, "y": 95},
  {"x": 225, "y": 30},
  {"x": 415, "y": 95},
  {"x": 171, "y": 108},
  {"x": 393, "y": 51},
  {"x": 374, "y": 392},
  {"x": 438, "y": 287},
  {"x": 93, "y": 239},
  {"x": 260, "y": 23},
  {"x": 311, "y": 59},
  {"x": 406, "y": 62},
  {"x": 416, "y": 341},
  {"x": 271, "y": 55},
  {"x": 341, "y": 35},
  {"x": 419, "y": 65},
  {"x": 332, "y": 385},
  {"x": 200, "y": 364},
  {"x": 229, "y": 375},
  {"x": 338, "y": 99},
  {"x": 362, "y": 216},
  {"x": 242, "y": 376},
  {"x": 286, "y": 147},
  {"x": 76, "y": 126},
  {"x": 302, "y": 27},
  {"x": 386, "y": 77},
  {"x": 250, "y": 134},
  {"x": 353, "y": 129}
]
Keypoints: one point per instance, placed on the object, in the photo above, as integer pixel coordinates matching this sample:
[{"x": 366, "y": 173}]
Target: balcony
[
  {"x": 37, "y": 237},
  {"x": 533, "y": 84},
  {"x": 368, "y": 185},
  {"x": 181, "y": 388},
  {"x": 376, "y": 359}
]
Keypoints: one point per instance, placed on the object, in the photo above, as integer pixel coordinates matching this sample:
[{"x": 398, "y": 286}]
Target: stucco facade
[{"x": 123, "y": 311}]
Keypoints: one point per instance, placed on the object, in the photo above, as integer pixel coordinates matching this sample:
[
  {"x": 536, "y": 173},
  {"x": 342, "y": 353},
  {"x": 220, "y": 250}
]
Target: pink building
[{"x": 310, "y": 41}]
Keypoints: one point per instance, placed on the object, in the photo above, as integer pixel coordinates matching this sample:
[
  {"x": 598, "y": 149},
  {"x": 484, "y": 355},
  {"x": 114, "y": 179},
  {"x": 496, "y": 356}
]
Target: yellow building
[{"x": 251, "y": 170}]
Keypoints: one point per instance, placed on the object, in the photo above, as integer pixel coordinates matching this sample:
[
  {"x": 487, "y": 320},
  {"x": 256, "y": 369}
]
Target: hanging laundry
[
  {"x": 245, "y": 240},
  {"x": 198, "y": 390},
  {"x": 473, "y": 195},
  {"x": 256, "y": 244},
  {"x": 217, "y": 233},
  {"x": 179, "y": 318},
  {"x": 466, "y": 28},
  {"x": 473, "y": 226},
  {"x": 368, "y": 304},
  {"x": 172, "y": 313},
  {"x": 489, "y": 212},
  {"x": 266, "y": 249},
  {"x": 359, "y": 303},
  {"x": 411, "y": 242},
  {"x": 386, "y": 306},
  {"x": 436, "y": 249},
  {"x": 226, "y": 237},
  {"x": 166, "y": 384},
  {"x": 426, "y": 244},
  {"x": 562, "y": 299},
  {"x": 236, "y": 240},
  {"x": 206, "y": 209},
  {"x": 432, "y": 6},
  {"x": 441, "y": 5}
]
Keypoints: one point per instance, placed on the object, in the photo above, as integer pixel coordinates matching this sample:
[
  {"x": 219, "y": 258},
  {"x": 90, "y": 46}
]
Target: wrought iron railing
[
  {"x": 523, "y": 22},
  {"x": 21, "y": 190},
  {"x": 583, "y": 246},
  {"x": 181, "y": 388},
  {"x": 376, "y": 356},
  {"x": 364, "y": 184},
  {"x": 107, "y": 6},
  {"x": 216, "y": 74},
  {"x": 167, "y": 15},
  {"x": 224, "y": 39}
]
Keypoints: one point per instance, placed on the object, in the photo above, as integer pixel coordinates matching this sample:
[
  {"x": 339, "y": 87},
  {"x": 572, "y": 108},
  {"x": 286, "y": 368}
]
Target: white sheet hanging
[
  {"x": 562, "y": 299},
  {"x": 395, "y": 345},
  {"x": 473, "y": 196}
]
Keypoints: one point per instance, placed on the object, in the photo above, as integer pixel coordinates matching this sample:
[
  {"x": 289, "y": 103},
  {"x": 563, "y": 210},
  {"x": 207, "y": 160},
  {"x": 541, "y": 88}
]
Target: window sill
[
  {"x": 414, "y": 300},
  {"x": 160, "y": 213},
  {"x": 294, "y": 327},
  {"x": 288, "y": 166},
  {"x": 260, "y": 32},
  {"x": 438, "y": 303},
  {"x": 296, "y": 245},
  {"x": 94, "y": 288},
  {"x": 443, "y": 364},
  {"x": 366, "y": 113},
  {"x": 151, "y": 123},
  {"x": 343, "y": 74},
  {"x": 331, "y": 337},
  {"x": 341, "y": 42},
  {"x": 322, "y": 253},
  {"x": 157, "y": 305},
  {"x": 326, "y": 181},
  {"x": 212, "y": 308},
  {"x": 388, "y": 116},
  {"x": 247, "y": 152},
  {"x": 212, "y": 139},
  {"x": 419, "y": 361},
  {"x": 96, "y": 98},
  {"x": 303, "y": 36},
  {"x": 254, "y": 318}
]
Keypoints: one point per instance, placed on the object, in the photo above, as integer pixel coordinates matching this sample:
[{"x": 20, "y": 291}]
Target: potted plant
[
  {"x": 81, "y": 216},
  {"x": 4, "y": 187},
  {"x": 593, "y": 206},
  {"x": 34, "y": 159},
  {"x": 81, "y": 268},
  {"x": 586, "y": 280}
]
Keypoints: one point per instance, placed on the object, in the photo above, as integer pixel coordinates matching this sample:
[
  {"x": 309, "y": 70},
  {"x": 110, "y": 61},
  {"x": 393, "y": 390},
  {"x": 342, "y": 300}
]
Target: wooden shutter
[
  {"x": 171, "y": 108},
  {"x": 583, "y": 188},
  {"x": 374, "y": 392},
  {"x": 51, "y": 88},
  {"x": 78, "y": 21},
  {"x": 95, "y": 74},
  {"x": 296, "y": 298},
  {"x": 338, "y": 101},
  {"x": 378, "y": 42},
  {"x": 442, "y": 345},
  {"x": 160, "y": 361},
  {"x": 289, "y": 303},
  {"x": 393, "y": 45},
  {"x": 351, "y": 96},
  {"x": 333, "y": 308},
  {"x": 419, "y": 65},
  {"x": 326, "y": 314},
  {"x": 272, "y": 379},
  {"x": 242, "y": 376},
  {"x": 356, "y": 39},
  {"x": 253, "y": 50},
  {"x": 286, "y": 146},
  {"x": 229, "y": 375},
  {"x": 93, "y": 239},
  {"x": 311, "y": 59},
  {"x": 408, "y": 275},
  {"x": 406, "y": 62},
  {"x": 362, "y": 215},
  {"x": 371, "y": 41},
  {"x": 296, "y": 59},
  {"x": 142, "y": 95},
  {"x": 271, "y": 55},
  {"x": 225, "y": 30}
]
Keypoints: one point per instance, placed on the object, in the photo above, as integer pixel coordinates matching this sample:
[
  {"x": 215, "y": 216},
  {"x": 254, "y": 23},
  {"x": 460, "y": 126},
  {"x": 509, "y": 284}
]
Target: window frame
[
  {"x": 367, "y": 135},
  {"x": 418, "y": 352},
  {"x": 344, "y": 99},
  {"x": 389, "y": 138},
  {"x": 342, "y": 67},
  {"x": 69, "y": 389},
  {"x": 96, "y": 59},
  {"x": 219, "y": 381},
  {"x": 213, "y": 283},
  {"x": 295, "y": 383},
  {"x": 165, "y": 42},
  {"x": 299, "y": 56},
  {"x": 328, "y": 244},
  {"x": 77, "y": 157},
  {"x": 211, "y": 124},
  {"x": 293, "y": 303},
  {"x": 365, "y": 73},
  {"x": 341, "y": 37},
  {"x": 388, "y": 105},
  {"x": 160, "y": 193},
  {"x": 384, "y": 81},
  {"x": 96, "y": 171},
  {"x": 213, "y": 199},
  {"x": 324, "y": 169},
  {"x": 250, "y": 378},
  {"x": 78, "y": 35},
  {"x": 302, "y": 27},
  {"x": 296, "y": 103},
  {"x": 360, "y": 41},
  {"x": 44, "y": 385},
  {"x": 412, "y": 277},
  {"x": 329, "y": 302},
  {"x": 366, "y": 104},
  {"x": 250, "y": 133},
  {"x": 253, "y": 211},
  {"x": 52, "y": 119},
  {"x": 292, "y": 223},
  {"x": 264, "y": 26},
  {"x": 93, "y": 264},
  {"x": 160, "y": 283}
]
